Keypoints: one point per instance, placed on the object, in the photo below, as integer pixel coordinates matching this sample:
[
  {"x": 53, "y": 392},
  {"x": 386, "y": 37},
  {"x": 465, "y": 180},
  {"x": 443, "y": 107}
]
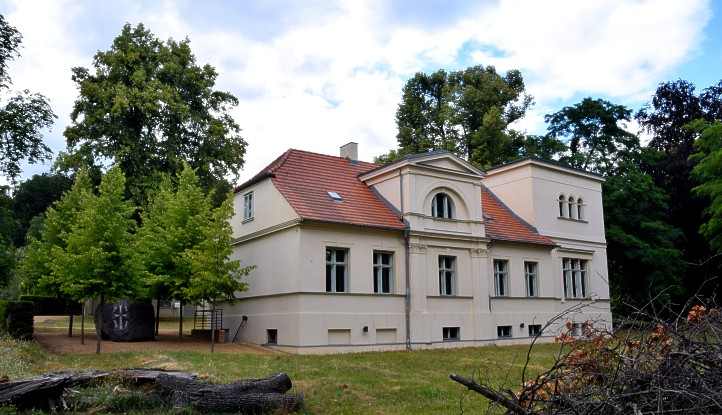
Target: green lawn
[{"x": 361, "y": 383}]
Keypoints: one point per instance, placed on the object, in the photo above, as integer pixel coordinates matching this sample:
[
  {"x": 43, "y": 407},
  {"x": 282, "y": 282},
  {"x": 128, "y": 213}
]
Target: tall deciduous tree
[
  {"x": 173, "y": 226},
  {"x": 22, "y": 116},
  {"x": 594, "y": 132},
  {"x": 32, "y": 198},
  {"x": 98, "y": 259},
  {"x": 708, "y": 172},
  {"x": 467, "y": 112},
  {"x": 148, "y": 106},
  {"x": 215, "y": 276}
]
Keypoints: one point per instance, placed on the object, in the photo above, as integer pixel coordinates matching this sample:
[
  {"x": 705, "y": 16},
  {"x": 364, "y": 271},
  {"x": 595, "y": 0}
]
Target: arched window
[
  {"x": 571, "y": 208},
  {"x": 561, "y": 206},
  {"x": 580, "y": 211},
  {"x": 442, "y": 206}
]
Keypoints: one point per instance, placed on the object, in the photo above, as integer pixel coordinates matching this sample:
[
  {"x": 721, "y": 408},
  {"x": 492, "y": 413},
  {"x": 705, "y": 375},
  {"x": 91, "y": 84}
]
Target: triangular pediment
[{"x": 450, "y": 162}]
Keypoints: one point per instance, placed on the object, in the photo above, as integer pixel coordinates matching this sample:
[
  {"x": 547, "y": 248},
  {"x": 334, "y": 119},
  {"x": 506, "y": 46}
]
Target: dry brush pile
[{"x": 652, "y": 366}]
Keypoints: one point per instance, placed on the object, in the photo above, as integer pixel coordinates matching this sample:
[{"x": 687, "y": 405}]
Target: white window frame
[
  {"x": 447, "y": 206},
  {"x": 444, "y": 289},
  {"x": 378, "y": 267},
  {"x": 562, "y": 205},
  {"x": 501, "y": 278},
  {"x": 571, "y": 201},
  {"x": 446, "y": 334},
  {"x": 580, "y": 209},
  {"x": 535, "y": 325},
  {"x": 334, "y": 263},
  {"x": 248, "y": 200},
  {"x": 532, "y": 289},
  {"x": 574, "y": 274}
]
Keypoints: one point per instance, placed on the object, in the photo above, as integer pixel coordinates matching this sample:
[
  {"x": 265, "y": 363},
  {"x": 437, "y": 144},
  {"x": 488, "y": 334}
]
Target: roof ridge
[{"x": 328, "y": 155}]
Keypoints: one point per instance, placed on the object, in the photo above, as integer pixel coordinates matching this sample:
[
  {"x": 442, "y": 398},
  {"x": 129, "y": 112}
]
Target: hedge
[
  {"x": 52, "y": 306},
  {"x": 16, "y": 319}
]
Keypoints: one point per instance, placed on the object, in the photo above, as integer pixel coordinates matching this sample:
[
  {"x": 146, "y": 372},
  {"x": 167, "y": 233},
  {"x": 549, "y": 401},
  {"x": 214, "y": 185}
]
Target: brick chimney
[{"x": 349, "y": 151}]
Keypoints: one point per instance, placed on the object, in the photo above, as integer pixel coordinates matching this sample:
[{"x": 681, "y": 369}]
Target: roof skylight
[{"x": 335, "y": 196}]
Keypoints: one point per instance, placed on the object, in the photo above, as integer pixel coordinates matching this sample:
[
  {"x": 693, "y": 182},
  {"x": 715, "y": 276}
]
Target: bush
[{"x": 16, "y": 319}]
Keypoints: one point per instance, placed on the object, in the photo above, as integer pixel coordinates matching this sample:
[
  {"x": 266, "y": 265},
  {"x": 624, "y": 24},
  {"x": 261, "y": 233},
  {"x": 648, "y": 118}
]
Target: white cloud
[{"x": 337, "y": 74}]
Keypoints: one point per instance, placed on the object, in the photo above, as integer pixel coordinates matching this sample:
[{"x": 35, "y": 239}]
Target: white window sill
[
  {"x": 572, "y": 219},
  {"x": 247, "y": 220}
]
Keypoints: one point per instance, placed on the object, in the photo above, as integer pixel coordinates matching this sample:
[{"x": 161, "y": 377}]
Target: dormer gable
[{"x": 441, "y": 161}]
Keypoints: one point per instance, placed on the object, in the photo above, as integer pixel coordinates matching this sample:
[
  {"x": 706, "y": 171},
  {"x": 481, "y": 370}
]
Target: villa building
[{"x": 427, "y": 251}]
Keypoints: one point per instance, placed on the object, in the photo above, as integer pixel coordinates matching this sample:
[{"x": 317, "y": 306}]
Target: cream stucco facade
[{"x": 288, "y": 305}]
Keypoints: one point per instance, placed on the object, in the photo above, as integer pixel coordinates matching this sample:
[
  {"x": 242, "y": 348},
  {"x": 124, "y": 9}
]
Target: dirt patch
[{"x": 57, "y": 341}]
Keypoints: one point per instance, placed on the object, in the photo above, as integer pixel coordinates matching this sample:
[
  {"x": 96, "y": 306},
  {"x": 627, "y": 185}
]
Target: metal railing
[{"x": 202, "y": 318}]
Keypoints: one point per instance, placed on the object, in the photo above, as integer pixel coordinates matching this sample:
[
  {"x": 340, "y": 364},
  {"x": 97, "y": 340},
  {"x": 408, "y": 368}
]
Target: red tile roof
[
  {"x": 503, "y": 224},
  {"x": 305, "y": 179}
]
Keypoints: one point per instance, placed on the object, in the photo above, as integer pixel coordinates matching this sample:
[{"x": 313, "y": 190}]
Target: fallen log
[
  {"x": 511, "y": 406},
  {"x": 179, "y": 389}
]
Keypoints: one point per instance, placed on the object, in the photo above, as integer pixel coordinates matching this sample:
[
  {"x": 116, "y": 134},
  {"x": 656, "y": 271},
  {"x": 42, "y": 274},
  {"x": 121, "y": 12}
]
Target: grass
[{"x": 377, "y": 383}]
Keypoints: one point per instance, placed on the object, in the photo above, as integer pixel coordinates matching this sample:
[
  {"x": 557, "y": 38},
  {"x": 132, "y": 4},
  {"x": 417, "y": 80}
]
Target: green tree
[
  {"x": 149, "y": 107},
  {"x": 98, "y": 259},
  {"x": 594, "y": 134},
  {"x": 214, "y": 275},
  {"x": 708, "y": 173},
  {"x": 35, "y": 268},
  {"x": 32, "y": 198},
  {"x": 467, "y": 112},
  {"x": 8, "y": 228},
  {"x": 172, "y": 226},
  {"x": 23, "y": 116},
  {"x": 644, "y": 262}
]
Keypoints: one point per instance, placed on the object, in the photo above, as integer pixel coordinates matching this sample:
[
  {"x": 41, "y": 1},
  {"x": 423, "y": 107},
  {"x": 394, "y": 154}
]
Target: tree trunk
[
  {"x": 70, "y": 325},
  {"x": 213, "y": 325},
  {"x": 82, "y": 325},
  {"x": 99, "y": 325},
  {"x": 180, "y": 315},
  {"x": 157, "y": 314}
]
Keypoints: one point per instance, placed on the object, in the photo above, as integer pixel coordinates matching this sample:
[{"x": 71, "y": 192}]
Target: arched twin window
[
  {"x": 442, "y": 206},
  {"x": 571, "y": 208}
]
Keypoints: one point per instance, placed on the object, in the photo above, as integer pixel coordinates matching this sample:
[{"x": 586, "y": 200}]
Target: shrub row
[
  {"x": 16, "y": 319},
  {"x": 52, "y": 306}
]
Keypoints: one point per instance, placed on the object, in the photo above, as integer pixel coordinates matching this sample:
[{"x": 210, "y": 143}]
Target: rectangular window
[
  {"x": 451, "y": 334},
  {"x": 248, "y": 206},
  {"x": 535, "y": 330},
  {"x": 501, "y": 277},
  {"x": 447, "y": 275},
  {"x": 574, "y": 272},
  {"x": 577, "y": 329},
  {"x": 272, "y": 336},
  {"x": 531, "y": 270},
  {"x": 336, "y": 270},
  {"x": 503, "y": 331},
  {"x": 383, "y": 272}
]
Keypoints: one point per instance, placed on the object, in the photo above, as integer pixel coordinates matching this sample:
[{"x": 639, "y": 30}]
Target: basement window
[
  {"x": 503, "y": 331},
  {"x": 451, "y": 334},
  {"x": 535, "y": 330},
  {"x": 335, "y": 196}
]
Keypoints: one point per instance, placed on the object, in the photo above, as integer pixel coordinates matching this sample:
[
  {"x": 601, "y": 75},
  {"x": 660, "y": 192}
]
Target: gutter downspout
[{"x": 407, "y": 254}]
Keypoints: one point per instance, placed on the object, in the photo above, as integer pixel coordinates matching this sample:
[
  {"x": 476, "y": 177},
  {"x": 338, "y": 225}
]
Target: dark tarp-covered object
[{"x": 125, "y": 321}]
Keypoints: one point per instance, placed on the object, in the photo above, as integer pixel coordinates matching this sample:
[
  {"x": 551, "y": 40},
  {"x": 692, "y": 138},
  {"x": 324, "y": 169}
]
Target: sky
[{"x": 315, "y": 75}]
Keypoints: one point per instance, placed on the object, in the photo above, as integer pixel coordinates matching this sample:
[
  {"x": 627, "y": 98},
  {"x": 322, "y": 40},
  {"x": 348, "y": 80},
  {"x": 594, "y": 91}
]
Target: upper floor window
[
  {"x": 248, "y": 206},
  {"x": 447, "y": 275},
  {"x": 531, "y": 278},
  {"x": 561, "y": 205},
  {"x": 501, "y": 277},
  {"x": 572, "y": 207},
  {"x": 580, "y": 207},
  {"x": 336, "y": 270},
  {"x": 575, "y": 277},
  {"x": 442, "y": 206},
  {"x": 383, "y": 272}
]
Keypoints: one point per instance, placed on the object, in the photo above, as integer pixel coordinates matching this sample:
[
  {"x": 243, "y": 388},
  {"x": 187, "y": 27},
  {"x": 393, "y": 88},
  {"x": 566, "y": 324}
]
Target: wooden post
[
  {"x": 213, "y": 325},
  {"x": 157, "y": 314},
  {"x": 82, "y": 325},
  {"x": 70, "y": 325},
  {"x": 180, "y": 314},
  {"x": 99, "y": 325}
]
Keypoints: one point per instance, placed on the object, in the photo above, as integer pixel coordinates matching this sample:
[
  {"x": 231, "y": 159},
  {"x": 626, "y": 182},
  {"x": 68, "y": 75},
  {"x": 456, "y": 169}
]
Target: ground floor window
[
  {"x": 272, "y": 336},
  {"x": 531, "y": 270},
  {"x": 501, "y": 277},
  {"x": 383, "y": 272},
  {"x": 451, "y": 334},
  {"x": 535, "y": 330},
  {"x": 336, "y": 270},
  {"x": 447, "y": 275},
  {"x": 574, "y": 271},
  {"x": 503, "y": 331}
]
